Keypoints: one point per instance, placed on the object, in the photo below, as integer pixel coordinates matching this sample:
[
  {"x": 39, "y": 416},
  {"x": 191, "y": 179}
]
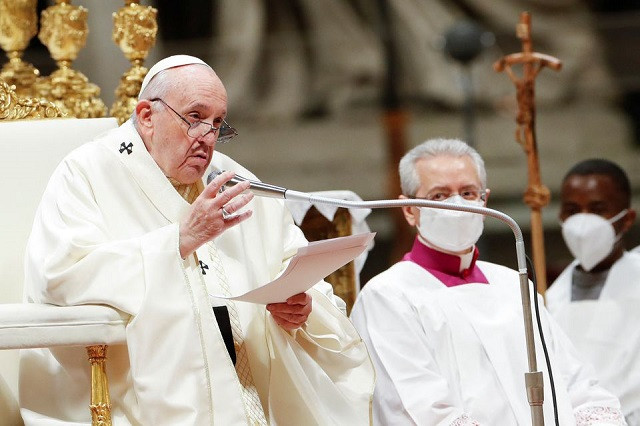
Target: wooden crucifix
[{"x": 536, "y": 195}]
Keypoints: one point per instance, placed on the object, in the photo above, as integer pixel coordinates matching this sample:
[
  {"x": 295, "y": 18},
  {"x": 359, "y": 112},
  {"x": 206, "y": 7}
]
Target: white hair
[
  {"x": 161, "y": 84},
  {"x": 409, "y": 178}
]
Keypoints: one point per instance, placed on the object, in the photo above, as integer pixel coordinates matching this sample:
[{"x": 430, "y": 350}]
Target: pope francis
[{"x": 127, "y": 221}]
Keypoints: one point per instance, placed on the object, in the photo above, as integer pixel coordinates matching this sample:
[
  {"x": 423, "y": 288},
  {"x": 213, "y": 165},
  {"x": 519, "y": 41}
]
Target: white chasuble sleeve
[
  {"x": 177, "y": 355},
  {"x": 321, "y": 374},
  {"x": 72, "y": 255}
]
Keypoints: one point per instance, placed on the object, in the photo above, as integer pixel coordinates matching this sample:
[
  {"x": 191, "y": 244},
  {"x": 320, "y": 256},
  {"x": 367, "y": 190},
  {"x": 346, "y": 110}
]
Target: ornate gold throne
[
  {"x": 30, "y": 148},
  {"x": 37, "y": 130}
]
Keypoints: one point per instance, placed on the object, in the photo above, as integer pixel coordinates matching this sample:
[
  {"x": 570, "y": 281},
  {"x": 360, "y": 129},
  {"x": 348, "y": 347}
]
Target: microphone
[
  {"x": 262, "y": 189},
  {"x": 533, "y": 378}
]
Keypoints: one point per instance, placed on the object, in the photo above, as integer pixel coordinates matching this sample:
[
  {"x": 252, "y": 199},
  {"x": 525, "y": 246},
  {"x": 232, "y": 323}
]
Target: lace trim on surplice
[
  {"x": 590, "y": 415},
  {"x": 464, "y": 420}
]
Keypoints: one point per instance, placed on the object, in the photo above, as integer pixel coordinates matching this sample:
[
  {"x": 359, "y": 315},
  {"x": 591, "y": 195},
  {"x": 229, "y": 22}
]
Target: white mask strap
[{"x": 617, "y": 217}]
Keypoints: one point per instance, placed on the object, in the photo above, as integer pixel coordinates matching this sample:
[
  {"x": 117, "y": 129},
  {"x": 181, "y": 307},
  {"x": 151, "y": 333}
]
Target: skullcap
[{"x": 166, "y": 63}]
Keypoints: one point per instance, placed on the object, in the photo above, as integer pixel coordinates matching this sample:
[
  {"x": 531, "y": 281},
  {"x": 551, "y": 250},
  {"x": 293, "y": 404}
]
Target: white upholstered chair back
[{"x": 29, "y": 152}]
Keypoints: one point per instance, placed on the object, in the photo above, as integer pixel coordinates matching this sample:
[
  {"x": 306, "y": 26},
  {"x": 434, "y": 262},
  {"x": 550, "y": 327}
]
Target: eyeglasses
[
  {"x": 200, "y": 129},
  {"x": 469, "y": 195}
]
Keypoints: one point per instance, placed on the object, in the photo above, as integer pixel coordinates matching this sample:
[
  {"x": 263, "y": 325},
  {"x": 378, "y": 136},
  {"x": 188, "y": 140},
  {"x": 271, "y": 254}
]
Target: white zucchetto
[{"x": 169, "y": 62}]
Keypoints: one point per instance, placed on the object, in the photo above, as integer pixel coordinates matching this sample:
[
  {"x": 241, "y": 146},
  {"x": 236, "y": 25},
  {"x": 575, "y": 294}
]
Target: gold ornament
[
  {"x": 63, "y": 29},
  {"x": 134, "y": 31},
  {"x": 100, "y": 406},
  {"x": 14, "y": 107},
  {"x": 18, "y": 25}
]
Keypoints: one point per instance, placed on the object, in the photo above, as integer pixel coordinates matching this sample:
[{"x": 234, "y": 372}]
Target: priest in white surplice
[
  {"x": 596, "y": 299},
  {"x": 126, "y": 220},
  {"x": 445, "y": 331}
]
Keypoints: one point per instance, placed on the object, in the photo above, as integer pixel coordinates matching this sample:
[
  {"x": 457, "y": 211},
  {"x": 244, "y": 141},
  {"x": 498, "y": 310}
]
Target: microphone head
[
  {"x": 213, "y": 174},
  {"x": 231, "y": 182},
  {"x": 257, "y": 187}
]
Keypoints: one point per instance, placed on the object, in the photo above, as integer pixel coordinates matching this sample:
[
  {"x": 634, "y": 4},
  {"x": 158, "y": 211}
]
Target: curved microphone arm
[
  {"x": 267, "y": 190},
  {"x": 533, "y": 379},
  {"x": 412, "y": 202}
]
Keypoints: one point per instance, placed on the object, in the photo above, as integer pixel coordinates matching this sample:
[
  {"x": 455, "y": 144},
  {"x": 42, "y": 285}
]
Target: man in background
[{"x": 596, "y": 299}]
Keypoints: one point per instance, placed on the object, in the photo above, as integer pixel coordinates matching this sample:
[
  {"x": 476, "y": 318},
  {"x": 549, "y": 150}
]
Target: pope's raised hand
[{"x": 213, "y": 212}]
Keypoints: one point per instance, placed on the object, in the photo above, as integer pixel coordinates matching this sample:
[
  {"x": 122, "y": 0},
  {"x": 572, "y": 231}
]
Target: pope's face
[
  {"x": 441, "y": 177},
  {"x": 202, "y": 98}
]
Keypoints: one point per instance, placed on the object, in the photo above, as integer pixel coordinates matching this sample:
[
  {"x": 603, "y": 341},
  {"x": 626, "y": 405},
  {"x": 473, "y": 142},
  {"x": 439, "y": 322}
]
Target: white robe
[
  {"x": 106, "y": 232},
  {"x": 457, "y": 355},
  {"x": 606, "y": 331}
]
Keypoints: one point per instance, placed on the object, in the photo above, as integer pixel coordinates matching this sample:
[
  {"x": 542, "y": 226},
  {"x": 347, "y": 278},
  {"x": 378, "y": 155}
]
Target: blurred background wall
[{"x": 312, "y": 83}]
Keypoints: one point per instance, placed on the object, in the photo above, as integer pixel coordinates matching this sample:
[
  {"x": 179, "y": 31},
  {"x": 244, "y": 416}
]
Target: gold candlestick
[
  {"x": 134, "y": 31},
  {"x": 63, "y": 29},
  {"x": 18, "y": 24}
]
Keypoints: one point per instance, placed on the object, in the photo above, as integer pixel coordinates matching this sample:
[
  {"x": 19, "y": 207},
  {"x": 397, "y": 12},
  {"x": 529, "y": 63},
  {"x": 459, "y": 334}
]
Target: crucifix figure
[{"x": 536, "y": 195}]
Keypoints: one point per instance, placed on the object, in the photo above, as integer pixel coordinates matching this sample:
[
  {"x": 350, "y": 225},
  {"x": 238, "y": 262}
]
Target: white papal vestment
[
  {"x": 457, "y": 355},
  {"x": 606, "y": 331},
  {"x": 106, "y": 232}
]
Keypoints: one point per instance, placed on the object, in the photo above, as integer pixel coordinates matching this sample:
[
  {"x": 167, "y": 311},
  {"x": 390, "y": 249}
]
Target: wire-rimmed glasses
[
  {"x": 470, "y": 194},
  {"x": 199, "y": 129}
]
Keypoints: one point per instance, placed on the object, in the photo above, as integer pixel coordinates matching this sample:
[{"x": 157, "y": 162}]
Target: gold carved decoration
[
  {"x": 317, "y": 227},
  {"x": 15, "y": 107},
  {"x": 63, "y": 29},
  {"x": 134, "y": 31},
  {"x": 18, "y": 25},
  {"x": 100, "y": 402}
]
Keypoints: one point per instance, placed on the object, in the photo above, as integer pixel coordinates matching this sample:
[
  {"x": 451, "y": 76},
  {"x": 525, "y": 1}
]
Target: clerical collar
[
  {"x": 587, "y": 285},
  {"x": 188, "y": 191},
  {"x": 444, "y": 266}
]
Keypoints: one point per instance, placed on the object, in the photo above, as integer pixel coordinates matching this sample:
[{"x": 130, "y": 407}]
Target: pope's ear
[{"x": 143, "y": 113}]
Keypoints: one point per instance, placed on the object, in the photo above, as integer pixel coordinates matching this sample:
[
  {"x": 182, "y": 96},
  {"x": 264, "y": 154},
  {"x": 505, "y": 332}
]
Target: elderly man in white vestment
[
  {"x": 596, "y": 299},
  {"x": 445, "y": 330},
  {"x": 127, "y": 221}
]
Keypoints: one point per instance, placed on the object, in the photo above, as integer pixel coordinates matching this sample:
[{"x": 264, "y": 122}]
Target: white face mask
[
  {"x": 589, "y": 237},
  {"x": 450, "y": 229}
]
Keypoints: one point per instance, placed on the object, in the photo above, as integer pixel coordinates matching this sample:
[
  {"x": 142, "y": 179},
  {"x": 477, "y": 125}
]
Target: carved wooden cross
[{"x": 537, "y": 195}]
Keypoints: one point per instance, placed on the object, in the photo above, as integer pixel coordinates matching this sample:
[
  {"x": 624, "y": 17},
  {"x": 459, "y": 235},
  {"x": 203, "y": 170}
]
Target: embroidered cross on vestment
[{"x": 124, "y": 147}]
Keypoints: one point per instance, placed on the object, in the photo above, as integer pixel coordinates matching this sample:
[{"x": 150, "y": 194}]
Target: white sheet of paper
[{"x": 310, "y": 265}]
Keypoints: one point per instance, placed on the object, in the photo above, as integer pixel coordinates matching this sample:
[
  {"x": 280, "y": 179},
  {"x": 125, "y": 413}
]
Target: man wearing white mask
[
  {"x": 445, "y": 331},
  {"x": 596, "y": 298}
]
